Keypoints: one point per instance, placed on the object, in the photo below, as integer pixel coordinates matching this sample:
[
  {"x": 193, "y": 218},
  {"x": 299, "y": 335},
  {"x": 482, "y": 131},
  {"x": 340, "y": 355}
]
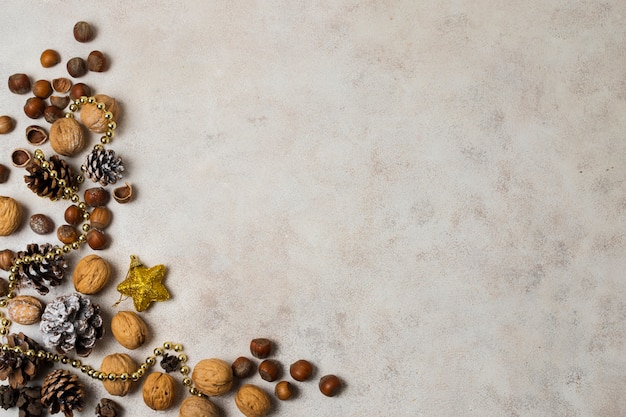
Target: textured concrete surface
[{"x": 425, "y": 198}]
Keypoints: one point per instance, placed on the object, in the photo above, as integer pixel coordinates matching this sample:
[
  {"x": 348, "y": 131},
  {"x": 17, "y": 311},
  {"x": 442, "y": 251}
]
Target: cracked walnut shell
[
  {"x": 129, "y": 329},
  {"x": 10, "y": 215},
  {"x": 213, "y": 377},
  {"x": 91, "y": 274},
  {"x": 67, "y": 136},
  {"x": 252, "y": 401}
]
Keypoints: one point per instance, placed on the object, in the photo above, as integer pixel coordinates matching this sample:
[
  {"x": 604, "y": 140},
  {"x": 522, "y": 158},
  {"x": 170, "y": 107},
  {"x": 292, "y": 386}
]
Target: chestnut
[
  {"x": 242, "y": 367},
  {"x": 261, "y": 347},
  {"x": 330, "y": 385},
  {"x": 67, "y": 234},
  {"x": 83, "y": 32},
  {"x": 49, "y": 58},
  {"x": 76, "y": 67},
  {"x": 301, "y": 370},
  {"x": 42, "y": 88},
  {"x": 96, "y": 196},
  {"x": 100, "y": 217},
  {"x": 73, "y": 214},
  {"x": 79, "y": 90},
  {"x": 96, "y": 239},
  {"x": 34, "y": 107},
  {"x": 19, "y": 83},
  {"x": 96, "y": 61},
  {"x": 52, "y": 113},
  {"x": 270, "y": 370}
]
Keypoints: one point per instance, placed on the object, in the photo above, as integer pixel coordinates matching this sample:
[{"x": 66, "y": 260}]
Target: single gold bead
[
  {"x": 14, "y": 269},
  {"x": 82, "y": 99},
  {"x": 11, "y": 295},
  {"x": 76, "y": 363},
  {"x": 108, "y": 115},
  {"x": 4, "y": 331},
  {"x": 53, "y": 173},
  {"x": 75, "y": 198},
  {"x": 158, "y": 351},
  {"x": 67, "y": 248},
  {"x": 75, "y": 245},
  {"x": 80, "y": 179},
  {"x": 84, "y": 368},
  {"x": 187, "y": 381},
  {"x": 82, "y": 238},
  {"x": 3, "y": 303},
  {"x": 109, "y": 134},
  {"x": 91, "y": 99},
  {"x": 12, "y": 285},
  {"x": 5, "y": 322},
  {"x": 105, "y": 140},
  {"x": 98, "y": 147},
  {"x": 61, "y": 183},
  {"x": 91, "y": 372},
  {"x": 58, "y": 251},
  {"x": 150, "y": 360},
  {"x": 12, "y": 278},
  {"x": 143, "y": 366},
  {"x": 30, "y": 353},
  {"x": 86, "y": 227},
  {"x": 141, "y": 372},
  {"x": 124, "y": 376},
  {"x": 112, "y": 125},
  {"x": 112, "y": 376},
  {"x": 86, "y": 215},
  {"x": 182, "y": 357},
  {"x": 102, "y": 376},
  {"x": 167, "y": 345},
  {"x": 82, "y": 205},
  {"x": 100, "y": 106},
  {"x": 6, "y": 348},
  {"x": 50, "y": 256},
  {"x": 194, "y": 391},
  {"x": 38, "y": 154},
  {"x": 184, "y": 370},
  {"x": 178, "y": 347},
  {"x": 38, "y": 258},
  {"x": 134, "y": 376},
  {"x": 45, "y": 164}
]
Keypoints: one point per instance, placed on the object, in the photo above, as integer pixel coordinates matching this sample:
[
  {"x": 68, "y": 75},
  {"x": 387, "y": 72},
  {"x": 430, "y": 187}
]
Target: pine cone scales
[
  {"x": 62, "y": 391},
  {"x": 19, "y": 369},
  {"x": 40, "y": 275},
  {"x": 103, "y": 166},
  {"x": 43, "y": 184},
  {"x": 29, "y": 402},
  {"x": 72, "y": 322}
]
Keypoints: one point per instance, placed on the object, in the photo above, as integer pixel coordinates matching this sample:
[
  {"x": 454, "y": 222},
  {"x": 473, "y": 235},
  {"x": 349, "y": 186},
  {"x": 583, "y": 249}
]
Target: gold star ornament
[{"x": 143, "y": 284}]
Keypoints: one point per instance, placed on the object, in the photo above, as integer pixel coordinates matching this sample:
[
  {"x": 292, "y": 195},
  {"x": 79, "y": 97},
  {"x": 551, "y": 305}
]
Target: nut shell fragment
[
  {"x": 61, "y": 85},
  {"x": 21, "y": 157},
  {"x": 36, "y": 135},
  {"x": 123, "y": 194}
]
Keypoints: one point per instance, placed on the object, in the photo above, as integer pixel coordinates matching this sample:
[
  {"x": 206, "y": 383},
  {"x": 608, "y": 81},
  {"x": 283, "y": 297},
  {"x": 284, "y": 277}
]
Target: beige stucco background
[{"x": 425, "y": 198}]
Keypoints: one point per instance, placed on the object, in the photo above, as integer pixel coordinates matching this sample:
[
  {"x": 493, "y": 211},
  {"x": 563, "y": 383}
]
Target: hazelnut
[
  {"x": 91, "y": 274},
  {"x": 261, "y": 348},
  {"x": 52, "y": 114},
  {"x": 67, "y": 234},
  {"x": 195, "y": 406},
  {"x": 4, "y": 173},
  {"x": 60, "y": 102},
  {"x": 118, "y": 363},
  {"x": 4, "y": 287},
  {"x": 49, "y": 58},
  {"x": 330, "y": 385},
  {"x": 21, "y": 157},
  {"x": 96, "y": 239},
  {"x": 41, "y": 224},
  {"x": 76, "y": 67},
  {"x": 100, "y": 217},
  {"x": 129, "y": 329},
  {"x": 19, "y": 83},
  {"x": 252, "y": 401},
  {"x": 79, "y": 90},
  {"x": 25, "y": 309},
  {"x": 61, "y": 85},
  {"x": 96, "y": 61},
  {"x": 242, "y": 367},
  {"x": 212, "y": 377},
  {"x": 10, "y": 215},
  {"x": 123, "y": 194},
  {"x": 73, "y": 214},
  {"x": 34, "y": 107},
  {"x": 6, "y": 259},
  {"x": 159, "y": 391},
  {"x": 301, "y": 370},
  {"x": 96, "y": 196},
  {"x": 83, "y": 32},
  {"x": 42, "y": 88},
  {"x": 6, "y": 124},
  {"x": 270, "y": 370},
  {"x": 67, "y": 136},
  {"x": 36, "y": 135},
  {"x": 283, "y": 390}
]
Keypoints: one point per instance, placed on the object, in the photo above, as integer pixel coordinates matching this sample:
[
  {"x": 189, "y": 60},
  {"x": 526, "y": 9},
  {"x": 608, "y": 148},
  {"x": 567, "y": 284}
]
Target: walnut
[
  {"x": 198, "y": 407},
  {"x": 252, "y": 401},
  {"x": 25, "y": 309},
  {"x": 67, "y": 136},
  {"x": 213, "y": 377},
  {"x": 91, "y": 274},
  {"x": 129, "y": 329},
  {"x": 93, "y": 118},
  {"x": 159, "y": 391},
  {"x": 118, "y": 363},
  {"x": 10, "y": 215}
]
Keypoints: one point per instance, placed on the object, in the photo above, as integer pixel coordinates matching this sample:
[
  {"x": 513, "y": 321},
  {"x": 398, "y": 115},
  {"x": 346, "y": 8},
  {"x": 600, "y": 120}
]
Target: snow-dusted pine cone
[
  {"x": 40, "y": 275},
  {"x": 103, "y": 166},
  {"x": 19, "y": 369},
  {"x": 71, "y": 322},
  {"x": 61, "y": 391},
  {"x": 43, "y": 184}
]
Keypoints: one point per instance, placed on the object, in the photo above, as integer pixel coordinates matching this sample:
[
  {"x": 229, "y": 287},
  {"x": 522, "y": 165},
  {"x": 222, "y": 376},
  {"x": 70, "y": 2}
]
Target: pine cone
[
  {"x": 18, "y": 368},
  {"x": 8, "y": 396},
  {"x": 62, "y": 391},
  {"x": 29, "y": 402},
  {"x": 106, "y": 408},
  {"x": 71, "y": 322},
  {"x": 103, "y": 166},
  {"x": 40, "y": 181},
  {"x": 40, "y": 274}
]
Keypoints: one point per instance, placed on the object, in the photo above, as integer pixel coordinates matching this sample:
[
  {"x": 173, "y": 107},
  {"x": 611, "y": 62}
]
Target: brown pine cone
[
  {"x": 40, "y": 275},
  {"x": 43, "y": 184},
  {"x": 8, "y": 396},
  {"x": 18, "y": 368},
  {"x": 62, "y": 391},
  {"x": 106, "y": 408},
  {"x": 29, "y": 402}
]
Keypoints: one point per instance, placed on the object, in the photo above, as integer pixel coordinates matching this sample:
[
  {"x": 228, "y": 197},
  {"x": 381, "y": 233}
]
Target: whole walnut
[
  {"x": 10, "y": 215},
  {"x": 252, "y": 401},
  {"x": 198, "y": 407},
  {"x": 67, "y": 136},
  {"x": 25, "y": 309},
  {"x": 91, "y": 274},
  {"x": 118, "y": 363},
  {"x": 213, "y": 377},
  {"x": 129, "y": 329},
  {"x": 159, "y": 391},
  {"x": 93, "y": 117}
]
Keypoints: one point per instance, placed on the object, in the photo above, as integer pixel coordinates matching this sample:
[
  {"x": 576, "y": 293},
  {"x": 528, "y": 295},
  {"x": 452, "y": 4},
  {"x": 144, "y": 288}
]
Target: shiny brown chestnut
[
  {"x": 97, "y": 196},
  {"x": 330, "y": 385},
  {"x": 261, "y": 347},
  {"x": 301, "y": 370},
  {"x": 19, "y": 83},
  {"x": 270, "y": 370}
]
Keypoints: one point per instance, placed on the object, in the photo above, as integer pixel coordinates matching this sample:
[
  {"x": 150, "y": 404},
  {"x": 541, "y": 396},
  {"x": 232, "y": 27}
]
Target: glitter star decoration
[{"x": 144, "y": 284}]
